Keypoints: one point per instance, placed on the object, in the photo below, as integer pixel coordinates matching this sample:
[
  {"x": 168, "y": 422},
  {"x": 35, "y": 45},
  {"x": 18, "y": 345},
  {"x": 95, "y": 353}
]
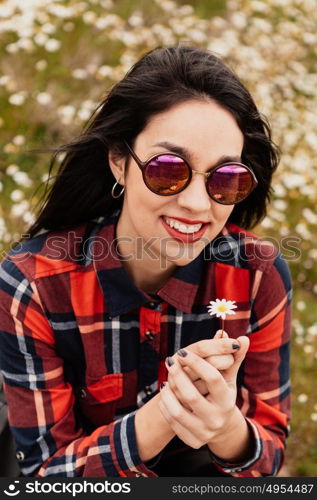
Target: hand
[
  {"x": 212, "y": 351},
  {"x": 218, "y": 354},
  {"x": 208, "y": 417}
]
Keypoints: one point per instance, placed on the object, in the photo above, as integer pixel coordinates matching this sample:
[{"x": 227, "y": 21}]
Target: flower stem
[{"x": 222, "y": 326}]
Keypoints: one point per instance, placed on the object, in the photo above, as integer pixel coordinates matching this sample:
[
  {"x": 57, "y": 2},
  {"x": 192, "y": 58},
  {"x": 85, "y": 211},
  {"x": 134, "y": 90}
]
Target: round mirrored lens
[
  {"x": 230, "y": 184},
  {"x": 166, "y": 174}
]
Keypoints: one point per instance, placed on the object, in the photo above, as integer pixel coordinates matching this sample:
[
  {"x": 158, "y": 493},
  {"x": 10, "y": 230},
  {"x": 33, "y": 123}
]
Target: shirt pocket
[{"x": 98, "y": 400}]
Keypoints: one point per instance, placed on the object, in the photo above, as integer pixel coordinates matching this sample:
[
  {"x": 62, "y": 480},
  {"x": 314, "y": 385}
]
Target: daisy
[{"x": 220, "y": 308}]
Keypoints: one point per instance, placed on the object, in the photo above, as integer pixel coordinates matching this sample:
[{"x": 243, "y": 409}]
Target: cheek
[
  {"x": 143, "y": 205},
  {"x": 221, "y": 213}
]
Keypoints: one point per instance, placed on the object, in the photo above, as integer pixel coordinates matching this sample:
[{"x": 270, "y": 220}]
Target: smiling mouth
[
  {"x": 186, "y": 233},
  {"x": 182, "y": 227}
]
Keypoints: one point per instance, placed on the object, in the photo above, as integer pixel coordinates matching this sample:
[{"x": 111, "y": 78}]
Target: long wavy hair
[{"x": 162, "y": 78}]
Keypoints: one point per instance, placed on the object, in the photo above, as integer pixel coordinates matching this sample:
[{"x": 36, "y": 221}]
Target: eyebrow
[{"x": 188, "y": 155}]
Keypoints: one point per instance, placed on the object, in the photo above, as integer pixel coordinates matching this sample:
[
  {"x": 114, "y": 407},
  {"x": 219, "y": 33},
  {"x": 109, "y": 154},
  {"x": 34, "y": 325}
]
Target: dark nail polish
[
  {"x": 235, "y": 346},
  {"x": 182, "y": 353},
  {"x": 169, "y": 361},
  {"x": 163, "y": 384}
]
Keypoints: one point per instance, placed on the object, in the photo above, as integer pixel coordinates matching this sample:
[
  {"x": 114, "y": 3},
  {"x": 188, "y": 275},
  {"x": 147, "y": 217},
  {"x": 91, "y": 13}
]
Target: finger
[
  {"x": 209, "y": 347},
  {"x": 201, "y": 387},
  {"x": 177, "y": 377},
  {"x": 216, "y": 385},
  {"x": 221, "y": 334},
  {"x": 175, "y": 390},
  {"x": 183, "y": 433},
  {"x": 230, "y": 375},
  {"x": 176, "y": 410},
  {"x": 173, "y": 386},
  {"x": 198, "y": 383},
  {"x": 188, "y": 393},
  {"x": 191, "y": 375},
  {"x": 221, "y": 361}
]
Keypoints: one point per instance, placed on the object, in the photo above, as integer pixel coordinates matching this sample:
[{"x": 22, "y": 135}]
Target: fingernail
[
  {"x": 235, "y": 346},
  {"x": 163, "y": 384},
  {"x": 169, "y": 361},
  {"x": 182, "y": 353}
]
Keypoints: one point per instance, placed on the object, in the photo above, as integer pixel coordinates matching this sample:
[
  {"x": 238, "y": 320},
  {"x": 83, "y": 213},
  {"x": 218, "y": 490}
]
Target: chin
[{"x": 182, "y": 261}]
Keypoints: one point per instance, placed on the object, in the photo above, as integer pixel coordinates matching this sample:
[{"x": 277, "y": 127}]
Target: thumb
[
  {"x": 230, "y": 375},
  {"x": 221, "y": 334}
]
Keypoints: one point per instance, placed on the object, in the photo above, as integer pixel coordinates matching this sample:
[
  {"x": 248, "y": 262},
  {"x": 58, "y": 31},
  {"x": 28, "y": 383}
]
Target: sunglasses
[{"x": 166, "y": 174}]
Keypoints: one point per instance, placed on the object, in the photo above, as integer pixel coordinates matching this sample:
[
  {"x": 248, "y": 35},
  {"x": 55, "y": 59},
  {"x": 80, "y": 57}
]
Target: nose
[{"x": 195, "y": 197}]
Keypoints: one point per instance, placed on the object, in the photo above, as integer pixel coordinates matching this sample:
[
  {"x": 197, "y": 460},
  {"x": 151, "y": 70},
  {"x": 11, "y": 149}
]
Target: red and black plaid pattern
[{"x": 81, "y": 347}]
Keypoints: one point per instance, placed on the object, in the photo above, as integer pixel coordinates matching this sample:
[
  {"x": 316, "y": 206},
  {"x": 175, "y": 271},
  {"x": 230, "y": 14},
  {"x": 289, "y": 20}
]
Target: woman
[{"x": 112, "y": 364}]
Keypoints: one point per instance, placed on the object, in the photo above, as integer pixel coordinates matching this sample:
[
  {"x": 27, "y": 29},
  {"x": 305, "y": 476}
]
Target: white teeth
[{"x": 181, "y": 227}]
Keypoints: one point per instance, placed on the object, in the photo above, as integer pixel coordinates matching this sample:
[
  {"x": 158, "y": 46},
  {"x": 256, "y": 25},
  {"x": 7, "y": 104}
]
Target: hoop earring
[{"x": 113, "y": 190}]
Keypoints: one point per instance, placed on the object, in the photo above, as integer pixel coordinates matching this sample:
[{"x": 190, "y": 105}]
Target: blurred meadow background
[{"x": 60, "y": 57}]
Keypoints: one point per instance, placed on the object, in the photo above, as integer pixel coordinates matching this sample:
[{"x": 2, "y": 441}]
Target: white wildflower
[
  {"x": 66, "y": 113},
  {"x": 44, "y": 98},
  {"x": 17, "y": 99},
  {"x": 308, "y": 349},
  {"x": 28, "y": 217},
  {"x": 89, "y": 17},
  {"x": 301, "y": 305},
  {"x": 79, "y": 73},
  {"x": 312, "y": 330},
  {"x": 40, "y": 39},
  {"x": 41, "y": 65},
  {"x": 221, "y": 308},
  {"x": 12, "y": 169},
  {"x": 18, "y": 140},
  {"x": 22, "y": 179},
  {"x": 52, "y": 45},
  {"x": 16, "y": 195},
  {"x": 302, "y": 398},
  {"x": 19, "y": 209},
  {"x": 105, "y": 70}
]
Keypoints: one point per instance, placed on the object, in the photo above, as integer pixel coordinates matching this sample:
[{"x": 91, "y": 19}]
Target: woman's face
[{"x": 208, "y": 133}]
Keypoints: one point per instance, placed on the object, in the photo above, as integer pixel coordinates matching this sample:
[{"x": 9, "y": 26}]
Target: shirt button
[
  {"x": 148, "y": 390},
  {"x": 82, "y": 394},
  {"x": 20, "y": 455},
  {"x": 149, "y": 335},
  {"x": 152, "y": 305}
]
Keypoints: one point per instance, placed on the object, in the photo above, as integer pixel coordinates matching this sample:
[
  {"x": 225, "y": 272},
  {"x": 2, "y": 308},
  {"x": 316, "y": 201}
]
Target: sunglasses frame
[{"x": 143, "y": 164}]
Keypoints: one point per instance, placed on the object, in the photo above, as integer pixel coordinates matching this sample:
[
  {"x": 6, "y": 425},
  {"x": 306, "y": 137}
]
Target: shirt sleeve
[
  {"x": 41, "y": 403},
  {"x": 264, "y": 378}
]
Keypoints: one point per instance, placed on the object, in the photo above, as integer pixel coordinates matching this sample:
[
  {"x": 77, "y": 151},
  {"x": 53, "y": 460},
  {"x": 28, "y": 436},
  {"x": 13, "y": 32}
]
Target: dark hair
[{"x": 161, "y": 78}]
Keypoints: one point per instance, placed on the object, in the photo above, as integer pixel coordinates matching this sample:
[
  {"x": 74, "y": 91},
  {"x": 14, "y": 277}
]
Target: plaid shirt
[{"x": 81, "y": 347}]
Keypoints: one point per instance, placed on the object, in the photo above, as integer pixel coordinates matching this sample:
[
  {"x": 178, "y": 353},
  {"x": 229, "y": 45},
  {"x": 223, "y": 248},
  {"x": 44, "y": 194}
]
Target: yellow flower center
[{"x": 222, "y": 308}]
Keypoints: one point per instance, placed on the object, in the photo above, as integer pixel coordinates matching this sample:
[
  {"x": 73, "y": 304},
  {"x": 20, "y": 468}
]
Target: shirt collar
[{"x": 120, "y": 292}]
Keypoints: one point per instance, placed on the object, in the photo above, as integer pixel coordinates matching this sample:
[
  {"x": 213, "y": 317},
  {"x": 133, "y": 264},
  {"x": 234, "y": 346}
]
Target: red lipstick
[
  {"x": 187, "y": 221},
  {"x": 185, "y": 238}
]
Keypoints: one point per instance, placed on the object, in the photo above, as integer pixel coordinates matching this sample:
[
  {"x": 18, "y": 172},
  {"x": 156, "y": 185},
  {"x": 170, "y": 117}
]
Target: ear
[{"x": 117, "y": 165}]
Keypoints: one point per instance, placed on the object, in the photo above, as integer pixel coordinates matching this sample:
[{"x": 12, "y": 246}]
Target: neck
[
  {"x": 145, "y": 278},
  {"x": 148, "y": 274}
]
